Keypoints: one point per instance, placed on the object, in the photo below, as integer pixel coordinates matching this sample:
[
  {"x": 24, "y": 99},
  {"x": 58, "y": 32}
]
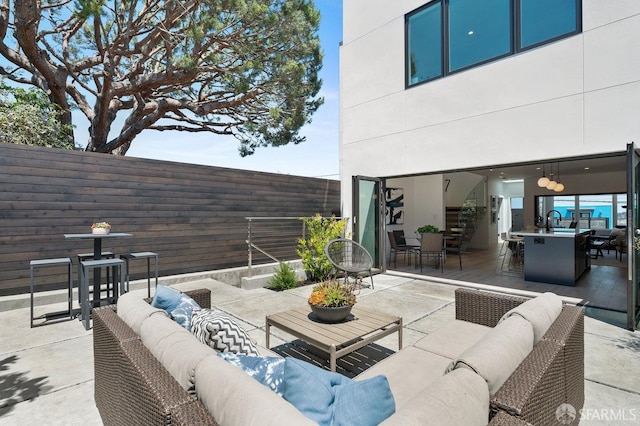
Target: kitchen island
[{"x": 556, "y": 256}]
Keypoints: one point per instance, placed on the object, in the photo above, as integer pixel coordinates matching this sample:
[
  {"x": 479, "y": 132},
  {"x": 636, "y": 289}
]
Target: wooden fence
[{"x": 193, "y": 216}]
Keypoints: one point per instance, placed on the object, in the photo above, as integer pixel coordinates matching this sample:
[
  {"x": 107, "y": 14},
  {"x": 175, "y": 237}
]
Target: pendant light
[
  {"x": 559, "y": 187},
  {"x": 543, "y": 181},
  {"x": 552, "y": 183}
]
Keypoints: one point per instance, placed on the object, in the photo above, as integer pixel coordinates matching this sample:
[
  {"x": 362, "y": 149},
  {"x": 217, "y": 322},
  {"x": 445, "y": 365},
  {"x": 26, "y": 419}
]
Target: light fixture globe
[
  {"x": 552, "y": 184},
  {"x": 559, "y": 187},
  {"x": 543, "y": 182}
]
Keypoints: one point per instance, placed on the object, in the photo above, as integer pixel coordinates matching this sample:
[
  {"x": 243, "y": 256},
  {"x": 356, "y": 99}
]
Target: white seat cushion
[
  {"x": 460, "y": 398},
  {"x": 453, "y": 338},
  {"x": 540, "y": 311},
  {"x": 499, "y": 353},
  {"x": 408, "y": 372},
  {"x": 133, "y": 310},
  {"x": 236, "y": 399},
  {"x": 176, "y": 349}
]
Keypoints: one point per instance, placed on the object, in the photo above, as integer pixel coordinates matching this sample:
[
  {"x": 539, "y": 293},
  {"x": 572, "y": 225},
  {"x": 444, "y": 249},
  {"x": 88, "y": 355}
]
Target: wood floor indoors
[{"x": 604, "y": 286}]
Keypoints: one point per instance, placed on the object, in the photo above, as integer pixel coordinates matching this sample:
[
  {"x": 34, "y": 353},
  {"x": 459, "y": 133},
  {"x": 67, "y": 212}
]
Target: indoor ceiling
[{"x": 567, "y": 167}]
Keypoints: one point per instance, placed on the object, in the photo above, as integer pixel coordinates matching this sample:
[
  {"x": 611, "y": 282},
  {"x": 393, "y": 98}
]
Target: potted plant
[
  {"x": 331, "y": 301},
  {"x": 428, "y": 229},
  {"x": 100, "y": 228}
]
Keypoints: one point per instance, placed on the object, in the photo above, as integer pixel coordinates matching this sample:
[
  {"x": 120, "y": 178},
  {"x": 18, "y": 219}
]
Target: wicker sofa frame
[{"x": 132, "y": 387}]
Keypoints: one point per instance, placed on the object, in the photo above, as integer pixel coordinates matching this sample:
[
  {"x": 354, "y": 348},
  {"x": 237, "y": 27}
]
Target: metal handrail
[
  {"x": 251, "y": 245},
  {"x": 262, "y": 251}
]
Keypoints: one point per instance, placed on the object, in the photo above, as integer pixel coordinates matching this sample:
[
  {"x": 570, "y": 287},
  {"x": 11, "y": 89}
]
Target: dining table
[{"x": 97, "y": 254}]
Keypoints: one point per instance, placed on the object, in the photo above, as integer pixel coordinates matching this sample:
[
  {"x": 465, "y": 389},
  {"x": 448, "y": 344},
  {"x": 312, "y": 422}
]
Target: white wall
[
  {"x": 579, "y": 96},
  {"x": 423, "y": 202}
]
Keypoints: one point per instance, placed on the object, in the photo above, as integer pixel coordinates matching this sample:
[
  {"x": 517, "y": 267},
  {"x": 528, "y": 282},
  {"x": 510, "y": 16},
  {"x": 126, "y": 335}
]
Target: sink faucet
[{"x": 549, "y": 214}]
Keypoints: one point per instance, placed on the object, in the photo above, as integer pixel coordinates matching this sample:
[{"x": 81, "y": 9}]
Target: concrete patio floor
[{"x": 46, "y": 373}]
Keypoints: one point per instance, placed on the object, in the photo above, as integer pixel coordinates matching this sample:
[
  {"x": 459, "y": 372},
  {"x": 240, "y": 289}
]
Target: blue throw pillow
[
  {"x": 268, "y": 370},
  {"x": 363, "y": 402},
  {"x": 331, "y": 399},
  {"x": 166, "y": 298},
  {"x": 182, "y": 313}
]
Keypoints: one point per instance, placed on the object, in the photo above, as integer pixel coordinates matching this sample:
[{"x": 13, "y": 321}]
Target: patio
[{"x": 46, "y": 373}]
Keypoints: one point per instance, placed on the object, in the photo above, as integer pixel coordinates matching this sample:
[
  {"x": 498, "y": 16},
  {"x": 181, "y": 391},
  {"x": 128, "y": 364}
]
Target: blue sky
[{"x": 316, "y": 157}]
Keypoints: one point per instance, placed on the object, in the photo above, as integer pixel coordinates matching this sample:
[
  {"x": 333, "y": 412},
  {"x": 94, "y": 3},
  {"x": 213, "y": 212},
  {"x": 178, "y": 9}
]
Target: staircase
[{"x": 465, "y": 218}]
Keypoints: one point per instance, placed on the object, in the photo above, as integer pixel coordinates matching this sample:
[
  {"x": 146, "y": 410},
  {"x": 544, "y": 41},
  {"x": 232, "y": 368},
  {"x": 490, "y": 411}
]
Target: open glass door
[
  {"x": 633, "y": 232},
  {"x": 367, "y": 201}
]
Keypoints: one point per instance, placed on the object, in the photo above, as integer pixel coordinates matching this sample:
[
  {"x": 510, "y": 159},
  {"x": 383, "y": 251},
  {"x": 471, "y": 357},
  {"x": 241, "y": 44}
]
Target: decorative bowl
[
  {"x": 100, "y": 231},
  {"x": 331, "y": 314}
]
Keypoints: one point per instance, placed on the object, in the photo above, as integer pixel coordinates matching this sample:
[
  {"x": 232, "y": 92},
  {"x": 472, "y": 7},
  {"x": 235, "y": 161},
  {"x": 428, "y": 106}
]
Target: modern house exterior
[{"x": 447, "y": 98}]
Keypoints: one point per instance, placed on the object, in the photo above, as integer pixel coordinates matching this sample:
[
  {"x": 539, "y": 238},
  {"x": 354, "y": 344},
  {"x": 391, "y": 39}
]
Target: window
[
  {"x": 447, "y": 36},
  {"x": 478, "y": 31},
  {"x": 545, "y": 20},
  {"x": 424, "y": 44},
  {"x": 600, "y": 211}
]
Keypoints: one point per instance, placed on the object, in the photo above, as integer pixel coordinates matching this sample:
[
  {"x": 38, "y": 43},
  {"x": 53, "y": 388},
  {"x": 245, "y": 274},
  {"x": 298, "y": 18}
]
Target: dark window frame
[{"x": 516, "y": 41}]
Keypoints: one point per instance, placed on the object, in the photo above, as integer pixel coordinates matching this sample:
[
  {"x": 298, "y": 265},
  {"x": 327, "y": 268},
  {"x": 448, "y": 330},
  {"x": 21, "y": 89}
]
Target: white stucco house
[{"x": 440, "y": 97}]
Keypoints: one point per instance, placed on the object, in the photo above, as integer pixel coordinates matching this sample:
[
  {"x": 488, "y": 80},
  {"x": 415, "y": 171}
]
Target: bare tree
[{"x": 247, "y": 68}]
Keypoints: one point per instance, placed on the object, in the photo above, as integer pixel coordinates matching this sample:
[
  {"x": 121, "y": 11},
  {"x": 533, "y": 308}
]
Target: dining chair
[
  {"x": 453, "y": 245},
  {"x": 398, "y": 243},
  {"x": 431, "y": 245}
]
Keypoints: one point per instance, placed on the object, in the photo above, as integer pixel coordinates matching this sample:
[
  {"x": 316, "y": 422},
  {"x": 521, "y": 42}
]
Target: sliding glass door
[
  {"x": 633, "y": 231},
  {"x": 368, "y": 199}
]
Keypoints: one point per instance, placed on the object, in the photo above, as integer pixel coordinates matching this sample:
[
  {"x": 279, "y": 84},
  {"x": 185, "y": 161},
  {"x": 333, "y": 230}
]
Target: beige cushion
[
  {"x": 499, "y": 353},
  {"x": 134, "y": 310},
  {"x": 176, "y": 349},
  {"x": 235, "y": 398},
  {"x": 408, "y": 372},
  {"x": 460, "y": 398},
  {"x": 453, "y": 338},
  {"x": 541, "y": 312}
]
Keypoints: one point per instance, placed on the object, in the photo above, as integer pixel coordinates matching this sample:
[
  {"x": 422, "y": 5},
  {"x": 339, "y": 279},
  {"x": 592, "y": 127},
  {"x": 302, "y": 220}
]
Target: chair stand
[
  {"x": 85, "y": 268},
  {"x": 142, "y": 255},
  {"x": 33, "y": 265}
]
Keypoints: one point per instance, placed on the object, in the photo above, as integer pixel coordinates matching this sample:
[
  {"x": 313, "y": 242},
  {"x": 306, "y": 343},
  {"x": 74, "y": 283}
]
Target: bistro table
[{"x": 97, "y": 254}]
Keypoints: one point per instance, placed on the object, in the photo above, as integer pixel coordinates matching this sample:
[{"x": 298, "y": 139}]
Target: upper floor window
[{"x": 447, "y": 36}]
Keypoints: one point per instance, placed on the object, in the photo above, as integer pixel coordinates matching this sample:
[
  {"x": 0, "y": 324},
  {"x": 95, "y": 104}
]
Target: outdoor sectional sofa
[{"x": 185, "y": 383}]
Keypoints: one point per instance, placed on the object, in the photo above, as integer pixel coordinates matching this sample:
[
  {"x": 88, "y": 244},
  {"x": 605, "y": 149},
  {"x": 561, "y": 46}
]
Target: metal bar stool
[
  {"x": 142, "y": 255},
  {"x": 86, "y": 267},
  {"x": 89, "y": 256},
  {"x": 46, "y": 263}
]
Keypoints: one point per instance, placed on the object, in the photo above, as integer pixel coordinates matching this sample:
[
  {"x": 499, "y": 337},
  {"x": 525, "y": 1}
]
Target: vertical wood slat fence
[{"x": 193, "y": 216}]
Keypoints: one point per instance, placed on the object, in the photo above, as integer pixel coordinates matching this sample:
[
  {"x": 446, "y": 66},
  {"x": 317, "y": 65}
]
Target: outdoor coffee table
[{"x": 362, "y": 327}]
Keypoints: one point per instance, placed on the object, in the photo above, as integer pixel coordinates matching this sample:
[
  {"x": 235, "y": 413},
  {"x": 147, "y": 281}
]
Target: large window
[
  {"x": 542, "y": 21},
  {"x": 602, "y": 211},
  {"x": 447, "y": 36},
  {"x": 478, "y": 31},
  {"x": 424, "y": 42}
]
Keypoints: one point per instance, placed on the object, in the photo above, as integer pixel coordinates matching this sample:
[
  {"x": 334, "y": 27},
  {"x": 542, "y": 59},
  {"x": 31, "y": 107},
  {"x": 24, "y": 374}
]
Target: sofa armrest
[
  {"x": 536, "y": 388},
  {"x": 567, "y": 331},
  {"x": 131, "y": 385},
  {"x": 504, "y": 419},
  {"x": 483, "y": 307},
  {"x": 202, "y": 296}
]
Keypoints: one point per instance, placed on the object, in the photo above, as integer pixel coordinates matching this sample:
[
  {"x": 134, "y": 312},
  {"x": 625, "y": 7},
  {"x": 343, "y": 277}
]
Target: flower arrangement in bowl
[
  {"x": 331, "y": 301},
  {"x": 100, "y": 228}
]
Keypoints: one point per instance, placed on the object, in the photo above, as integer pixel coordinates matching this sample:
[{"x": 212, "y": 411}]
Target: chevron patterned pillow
[{"x": 214, "y": 328}]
